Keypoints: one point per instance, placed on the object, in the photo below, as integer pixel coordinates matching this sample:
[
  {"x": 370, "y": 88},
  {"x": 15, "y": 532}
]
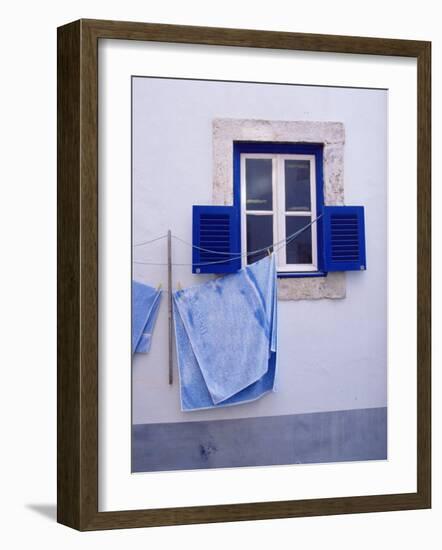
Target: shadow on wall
[{"x": 49, "y": 511}]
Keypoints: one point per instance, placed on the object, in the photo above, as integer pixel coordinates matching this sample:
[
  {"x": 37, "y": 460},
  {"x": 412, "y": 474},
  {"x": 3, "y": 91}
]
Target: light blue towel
[
  {"x": 145, "y": 306},
  {"x": 226, "y": 341}
]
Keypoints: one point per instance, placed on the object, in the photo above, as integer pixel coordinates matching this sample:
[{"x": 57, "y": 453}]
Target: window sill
[{"x": 300, "y": 274}]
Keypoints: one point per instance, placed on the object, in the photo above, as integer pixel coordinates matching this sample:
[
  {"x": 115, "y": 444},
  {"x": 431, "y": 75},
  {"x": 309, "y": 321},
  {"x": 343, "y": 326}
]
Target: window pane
[
  {"x": 297, "y": 185},
  {"x": 299, "y": 250},
  {"x": 259, "y": 235},
  {"x": 259, "y": 184}
]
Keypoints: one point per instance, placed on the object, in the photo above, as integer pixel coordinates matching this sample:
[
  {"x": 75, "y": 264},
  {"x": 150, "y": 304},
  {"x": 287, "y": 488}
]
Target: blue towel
[
  {"x": 226, "y": 341},
  {"x": 145, "y": 306}
]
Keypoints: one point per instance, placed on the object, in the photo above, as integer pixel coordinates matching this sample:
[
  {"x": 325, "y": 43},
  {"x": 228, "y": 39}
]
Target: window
[
  {"x": 278, "y": 196},
  {"x": 279, "y": 189}
]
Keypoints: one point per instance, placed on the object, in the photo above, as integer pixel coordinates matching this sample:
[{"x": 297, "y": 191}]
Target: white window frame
[{"x": 278, "y": 208}]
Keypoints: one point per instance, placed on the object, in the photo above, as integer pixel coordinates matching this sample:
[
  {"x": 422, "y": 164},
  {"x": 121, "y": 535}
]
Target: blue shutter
[
  {"x": 216, "y": 233},
  {"x": 343, "y": 238}
]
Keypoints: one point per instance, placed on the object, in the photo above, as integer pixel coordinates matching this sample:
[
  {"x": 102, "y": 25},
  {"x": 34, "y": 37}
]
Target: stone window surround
[{"x": 332, "y": 135}]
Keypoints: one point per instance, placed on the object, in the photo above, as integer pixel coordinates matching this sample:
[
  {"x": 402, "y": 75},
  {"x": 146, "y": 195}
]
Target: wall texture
[{"x": 332, "y": 353}]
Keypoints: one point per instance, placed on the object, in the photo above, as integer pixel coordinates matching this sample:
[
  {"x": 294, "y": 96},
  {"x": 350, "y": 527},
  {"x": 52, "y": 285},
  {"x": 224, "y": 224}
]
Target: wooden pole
[{"x": 169, "y": 284}]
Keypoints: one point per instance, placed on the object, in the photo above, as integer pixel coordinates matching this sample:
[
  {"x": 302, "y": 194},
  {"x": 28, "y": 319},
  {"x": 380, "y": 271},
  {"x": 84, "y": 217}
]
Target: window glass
[
  {"x": 259, "y": 235},
  {"x": 297, "y": 185},
  {"x": 278, "y": 203},
  {"x": 298, "y": 250},
  {"x": 259, "y": 184}
]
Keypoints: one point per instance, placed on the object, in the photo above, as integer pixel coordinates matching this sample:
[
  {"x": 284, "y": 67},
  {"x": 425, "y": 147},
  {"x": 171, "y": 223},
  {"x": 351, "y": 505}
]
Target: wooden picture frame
[{"x": 77, "y": 225}]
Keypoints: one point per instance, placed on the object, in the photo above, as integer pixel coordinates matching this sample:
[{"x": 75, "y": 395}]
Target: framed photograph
[{"x": 243, "y": 274}]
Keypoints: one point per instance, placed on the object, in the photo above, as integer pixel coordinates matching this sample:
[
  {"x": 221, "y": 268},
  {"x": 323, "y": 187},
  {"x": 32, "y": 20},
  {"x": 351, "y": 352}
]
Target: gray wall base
[{"x": 336, "y": 436}]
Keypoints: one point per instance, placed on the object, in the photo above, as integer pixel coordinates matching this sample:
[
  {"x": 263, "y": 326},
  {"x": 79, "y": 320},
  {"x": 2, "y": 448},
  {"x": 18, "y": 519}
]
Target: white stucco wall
[{"x": 332, "y": 353}]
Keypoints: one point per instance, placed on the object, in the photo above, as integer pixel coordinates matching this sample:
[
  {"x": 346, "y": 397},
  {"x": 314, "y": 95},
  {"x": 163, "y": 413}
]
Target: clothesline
[{"x": 235, "y": 256}]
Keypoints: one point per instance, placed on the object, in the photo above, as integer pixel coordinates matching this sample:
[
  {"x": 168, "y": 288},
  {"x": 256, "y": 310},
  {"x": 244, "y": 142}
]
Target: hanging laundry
[
  {"x": 226, "y": 337},
  {"x": 145, "y": 306}
]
